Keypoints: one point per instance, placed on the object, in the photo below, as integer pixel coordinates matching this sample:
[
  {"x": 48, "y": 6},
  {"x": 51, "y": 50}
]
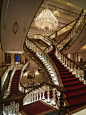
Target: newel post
[{"x": 61, "y": 106}]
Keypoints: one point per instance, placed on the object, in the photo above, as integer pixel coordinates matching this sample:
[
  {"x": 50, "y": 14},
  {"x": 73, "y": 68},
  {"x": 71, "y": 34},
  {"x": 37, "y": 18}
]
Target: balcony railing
[
  {"x": 48, "y": 92},
  {"x": 45, "y": 39},
  {"x": 74, "y": 33}
]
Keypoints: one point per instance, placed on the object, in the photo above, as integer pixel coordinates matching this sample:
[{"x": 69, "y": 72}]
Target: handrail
[
  {"x": 60, "y": 89},
  {"x": 77, "y": 33},
  {"x": 58, "y": 31},
  {"x": 63, "y": 27},
  {"x": 39, "y": 37},
  {"x": 38, "y": 92},
  {"x": 71, "y": 65},
  {"x": 17, "y": 97},
  {"x": 72, "y": 60},
  {"x": 6, "y": 73},
  {"x": 4, "y": 87},
  {"x": 23, "y": 68},
  {"x": 71, "y": 29},
  {"x": 47, "y": 47},
  {"x": 45, "y": 55}
]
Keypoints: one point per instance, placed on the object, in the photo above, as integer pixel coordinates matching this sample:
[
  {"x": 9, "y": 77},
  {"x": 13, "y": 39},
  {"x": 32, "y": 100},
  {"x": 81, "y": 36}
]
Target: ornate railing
[
  {"x": 48, "y": 49},
  {"x": 59, "y": 32},
  {"x": 4, "y": 77},
  {"x": 63, "y": 29},
  {"x": 10, "y": 81},
  {"x": 34, "y": 51},
  {"x": 45, "y": 39},
  {"x": 47, "y": 92},
  {"x": 75, "y": 68},
  {"x": 5, "y": 80},
  {"x": 22, "y": 70},
  {"x": 11, "y": 109},
  {"x": 74, "y": 33}
]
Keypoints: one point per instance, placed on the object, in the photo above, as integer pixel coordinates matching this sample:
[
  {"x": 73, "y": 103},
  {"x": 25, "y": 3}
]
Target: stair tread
[
  {"x": 72, "y": 83},
  {"x": 76, "y": 93},
  {"x": 69, "y": 79},
  {"x": 77, "y": 100},
  {"x": 71, "y": 88}
]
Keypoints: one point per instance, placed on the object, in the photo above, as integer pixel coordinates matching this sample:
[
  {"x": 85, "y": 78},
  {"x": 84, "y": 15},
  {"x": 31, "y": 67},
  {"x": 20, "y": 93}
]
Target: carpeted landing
[
  {"x": 75, "y": 96},
  {"x": 38, "y": 108}
]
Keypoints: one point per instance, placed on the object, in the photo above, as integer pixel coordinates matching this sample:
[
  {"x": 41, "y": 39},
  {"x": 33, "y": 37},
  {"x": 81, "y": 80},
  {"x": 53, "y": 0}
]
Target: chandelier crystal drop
[{"x": 46, "y": 21}]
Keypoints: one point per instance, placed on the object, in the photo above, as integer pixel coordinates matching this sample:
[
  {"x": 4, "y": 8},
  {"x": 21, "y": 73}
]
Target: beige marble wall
[
  {"x": 2, "y": 57},
  {"x": 22, "y": 59}
]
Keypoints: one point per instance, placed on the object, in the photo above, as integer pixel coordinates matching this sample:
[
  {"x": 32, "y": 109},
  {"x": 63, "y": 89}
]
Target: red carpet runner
[
  {"x": 75, "y": 90},
  {"x": 15, "y": 83},
  {"x": 37, "y": 108}
]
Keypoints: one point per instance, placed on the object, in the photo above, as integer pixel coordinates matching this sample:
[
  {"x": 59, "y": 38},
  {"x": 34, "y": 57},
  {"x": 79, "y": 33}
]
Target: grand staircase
[
  {"x": 56, "y": 73},
  {"x": 75, "y": 95}
]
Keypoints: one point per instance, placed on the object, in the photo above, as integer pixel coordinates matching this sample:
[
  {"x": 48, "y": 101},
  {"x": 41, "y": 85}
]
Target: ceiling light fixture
[{"x": 46, "y": 21}]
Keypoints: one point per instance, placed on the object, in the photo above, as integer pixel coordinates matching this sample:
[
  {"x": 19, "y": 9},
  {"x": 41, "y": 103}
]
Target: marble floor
[{"x": 82, "y": 112}]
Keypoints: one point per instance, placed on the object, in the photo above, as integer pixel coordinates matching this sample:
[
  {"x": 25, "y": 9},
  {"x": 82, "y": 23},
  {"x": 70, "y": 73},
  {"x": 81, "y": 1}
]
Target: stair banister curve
[
  {"x": 42, "y": 91},
  {"x": 22, "y": 70},
  {"x": 5, "y": 80},
  {"x": 71, "y": 29},
  {"x": 75, "y": 32},
  {"x": 45, "y": 59},
  {"x": 74, "y": 67},
  {"x": 58, "y": 31}
]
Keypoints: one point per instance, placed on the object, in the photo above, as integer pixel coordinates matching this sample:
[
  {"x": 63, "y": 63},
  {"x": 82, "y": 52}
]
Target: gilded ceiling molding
[
  {"x": 15, "y": 27},
  {"x": 4, "y": 26}
]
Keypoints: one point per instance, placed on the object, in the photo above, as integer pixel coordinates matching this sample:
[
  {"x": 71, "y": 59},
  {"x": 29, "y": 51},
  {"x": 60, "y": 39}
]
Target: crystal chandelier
[{"x": 46, "y": 21}]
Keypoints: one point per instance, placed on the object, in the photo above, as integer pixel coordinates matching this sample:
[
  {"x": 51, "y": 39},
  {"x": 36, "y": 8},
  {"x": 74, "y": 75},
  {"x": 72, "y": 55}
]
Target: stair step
[
  {"x": 66, "y": 84},
  {"x": 76, "y": 93},
  {"x": 65, "y": 73},
  {"x": 77, "y": 101},
  {"x": 75, "y": 87},
  {"x": 69, "y": 79},
  {"x": 63, "y": 70},
  {"x": 66, "y": 76}
]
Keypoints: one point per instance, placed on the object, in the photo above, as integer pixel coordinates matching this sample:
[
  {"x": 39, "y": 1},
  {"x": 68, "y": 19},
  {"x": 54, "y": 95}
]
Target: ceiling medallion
[
  {"x": 15, "y": 27},
  {"x": 46, "y": 21}
]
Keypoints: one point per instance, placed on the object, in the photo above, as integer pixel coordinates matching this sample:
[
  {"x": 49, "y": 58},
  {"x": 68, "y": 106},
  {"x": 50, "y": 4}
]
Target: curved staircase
[{"x": 75, "y": 95}]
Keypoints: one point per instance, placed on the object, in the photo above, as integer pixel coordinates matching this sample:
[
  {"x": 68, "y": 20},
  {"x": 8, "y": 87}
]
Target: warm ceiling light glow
[
  {"x": 46, "y": 21},
  {"x": 36, "y": 73},
  {"x": 25, "y": 74},
  {"x": 56, "y": 12}
]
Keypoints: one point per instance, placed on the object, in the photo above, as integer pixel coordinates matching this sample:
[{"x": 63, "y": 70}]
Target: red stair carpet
[
  {"x": 15, "y": 83},
  {"x": 37, "y": 108},
  {"x": 75, "y": 96}
]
